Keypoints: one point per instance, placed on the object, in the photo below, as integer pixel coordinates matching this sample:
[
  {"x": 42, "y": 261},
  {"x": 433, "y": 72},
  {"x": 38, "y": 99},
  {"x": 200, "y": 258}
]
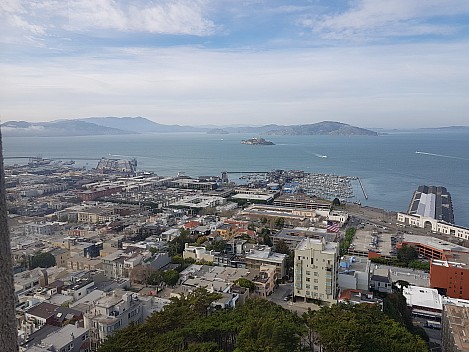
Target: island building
[
  {"x": 256, "y": 141},
  {"x": 316, "y": 270},
  {"x": 432, "y": 202}
]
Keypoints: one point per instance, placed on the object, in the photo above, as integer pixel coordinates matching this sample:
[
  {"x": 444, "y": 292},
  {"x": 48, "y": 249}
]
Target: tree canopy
[
  {"x": 359, "y": 328},
  {"x": 42, "y": 260},
  {"x": 189, "y": 324}
]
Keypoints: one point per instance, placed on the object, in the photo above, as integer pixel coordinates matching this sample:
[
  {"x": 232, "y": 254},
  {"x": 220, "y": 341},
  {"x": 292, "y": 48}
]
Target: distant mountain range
[
  {"x": 320, "y": 128},
  {"x": 136, "y": 125}
]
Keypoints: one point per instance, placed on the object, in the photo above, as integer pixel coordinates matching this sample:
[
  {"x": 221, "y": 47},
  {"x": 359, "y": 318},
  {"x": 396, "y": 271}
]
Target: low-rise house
[
  {"x": 265, "y": 281},
  {"x": 381, "y": 280},
  {"x": 359, "y": 297},
  {"x": 263, "y": 255},
  {"x": 70, "y": 338},
  {"x": 61, "y": 256},
  {"x": 51, "y": 314},
  {"x": 112, "y": 312}
]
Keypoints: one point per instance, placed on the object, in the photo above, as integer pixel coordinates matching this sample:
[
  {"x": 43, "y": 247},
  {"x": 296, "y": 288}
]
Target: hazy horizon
[{"x": 368, "y": 63}]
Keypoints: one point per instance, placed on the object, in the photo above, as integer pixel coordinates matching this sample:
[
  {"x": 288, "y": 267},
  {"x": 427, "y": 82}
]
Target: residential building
[
  {"x": 455, "y": 328},
  {"x": 111, "y": 312},
  {"x": 381, "y": 280},
  {"x": 264, "y": 255},
  {"x": 70, "y": 338},
  {"x": 424, "y": 302},
  {"x": 359, "y": 297},
  {"x": 265, "y": 281},
  {"x": 316, "y": 270},
  {"x": 451, "y": 275},
  {"x": 51, "y": 314},
  {"x": 354, "y": 273},
  {"x": 61, "y": 256}
]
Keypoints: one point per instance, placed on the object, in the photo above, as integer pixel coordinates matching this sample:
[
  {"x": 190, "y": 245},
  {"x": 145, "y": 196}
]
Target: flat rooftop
[
  {"x": 365, "y": 241},
  {"x": 423, "y": 297},
  {"x": 458, "y": 321},
  {"x": 432, "y": 201},
  {"x": 435, "y": 243}
]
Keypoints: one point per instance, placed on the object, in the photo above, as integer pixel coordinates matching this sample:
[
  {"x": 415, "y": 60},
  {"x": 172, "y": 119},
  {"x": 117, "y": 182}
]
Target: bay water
[{"x": 390, "y": 166}]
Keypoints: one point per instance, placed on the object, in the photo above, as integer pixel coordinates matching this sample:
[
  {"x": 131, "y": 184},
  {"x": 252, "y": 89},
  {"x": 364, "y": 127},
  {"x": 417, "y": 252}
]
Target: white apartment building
[
  {"x": 316, "y": 270},
  {"x": 112, "y": 312}
]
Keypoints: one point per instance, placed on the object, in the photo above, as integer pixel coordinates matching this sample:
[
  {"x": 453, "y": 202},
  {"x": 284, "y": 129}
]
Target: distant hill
[
  {"x": 140, "y": 125},
  {"x": 131, "y": 125},
  {"x": 446, "y": 128},
  {"x": 57, "y": 129},
  {"x": 320, "y": 128}
]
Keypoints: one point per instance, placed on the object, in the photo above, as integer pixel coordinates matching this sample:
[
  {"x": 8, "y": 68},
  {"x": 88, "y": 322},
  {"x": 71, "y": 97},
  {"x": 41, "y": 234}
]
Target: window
[
  {"x": 307, "y": 286},
  {"x": 308, "y": 279},
  {"x": 308, "y": 273},
  {"x": 316, "y": 288},
  {"x": 315, "y": 281},
  {"x": 315, "y": 273}
]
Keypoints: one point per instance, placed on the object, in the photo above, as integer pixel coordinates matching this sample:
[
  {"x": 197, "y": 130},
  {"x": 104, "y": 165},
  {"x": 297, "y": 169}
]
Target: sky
[{"x": 369, "y": 63}]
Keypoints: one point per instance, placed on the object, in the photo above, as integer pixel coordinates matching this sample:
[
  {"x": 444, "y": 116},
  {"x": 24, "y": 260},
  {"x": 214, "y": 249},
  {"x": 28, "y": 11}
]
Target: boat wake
[
  {"x": 442, "y": 156},
  {"x": 320, "y": 156}
]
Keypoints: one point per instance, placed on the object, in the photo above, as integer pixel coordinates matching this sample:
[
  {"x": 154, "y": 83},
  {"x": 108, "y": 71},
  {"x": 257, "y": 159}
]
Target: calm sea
[{"x": 388, "y": 165}]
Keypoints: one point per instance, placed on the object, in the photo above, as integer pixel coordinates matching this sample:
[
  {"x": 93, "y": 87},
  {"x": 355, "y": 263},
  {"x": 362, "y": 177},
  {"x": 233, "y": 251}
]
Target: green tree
[
  {"x": 217, "y": 246},
  {"x": 170, "y": 277},
  {"x": 360, "y": 328},
  {"x": 42, "y": 260},
  {"x": 279, "y": 223},
  {"x": 395, "y": 307},
  {"x": 282, "y": 247},
  {"x": 407, "y": 253},
  {"x": 336, "y": 202},
  {"x": 155, "y": 278},
  {"x": 243, "y": 282},
  {"x": 200, "y": 240},
  {"x": 347, "y": 241}
]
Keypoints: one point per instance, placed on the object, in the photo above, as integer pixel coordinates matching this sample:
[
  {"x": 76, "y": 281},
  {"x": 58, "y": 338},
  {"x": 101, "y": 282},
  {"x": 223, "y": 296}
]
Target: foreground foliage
[
  {"x": 190, "y": 324},
  {"x": 359, "y": 328}
]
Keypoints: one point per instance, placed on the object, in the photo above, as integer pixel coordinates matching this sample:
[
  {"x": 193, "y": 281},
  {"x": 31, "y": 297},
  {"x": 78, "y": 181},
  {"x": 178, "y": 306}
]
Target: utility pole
[{"x": 8, "y": 333}]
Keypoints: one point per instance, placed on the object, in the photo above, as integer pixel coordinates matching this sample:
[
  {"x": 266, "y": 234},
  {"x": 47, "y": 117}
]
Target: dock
[{"x": 362, "y": 187}]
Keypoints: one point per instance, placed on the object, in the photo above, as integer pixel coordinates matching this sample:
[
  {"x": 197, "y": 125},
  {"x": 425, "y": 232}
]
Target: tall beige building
[{"x": 316, "y": 270}]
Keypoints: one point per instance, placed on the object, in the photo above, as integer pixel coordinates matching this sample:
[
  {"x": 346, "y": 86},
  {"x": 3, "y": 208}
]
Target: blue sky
[{"x": 371, "y": 63}]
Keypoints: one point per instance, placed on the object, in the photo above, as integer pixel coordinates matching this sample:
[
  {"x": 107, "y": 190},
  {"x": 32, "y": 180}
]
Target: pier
[{"x": 362, "y": 187}]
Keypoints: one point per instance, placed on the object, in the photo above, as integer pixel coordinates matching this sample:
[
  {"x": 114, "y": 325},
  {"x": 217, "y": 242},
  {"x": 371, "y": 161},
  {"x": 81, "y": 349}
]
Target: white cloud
[
  {"x": 43, "y": 18},
  {"x": 365, "y": 86},
  {"x": 379, "y": 18}
]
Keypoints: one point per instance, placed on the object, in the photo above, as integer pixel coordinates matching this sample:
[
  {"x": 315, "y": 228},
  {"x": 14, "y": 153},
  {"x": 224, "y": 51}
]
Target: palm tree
[{"x": 8, "y": 334}]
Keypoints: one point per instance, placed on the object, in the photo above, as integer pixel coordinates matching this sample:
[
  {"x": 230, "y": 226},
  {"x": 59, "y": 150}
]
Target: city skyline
[{"x": 366, "y": 63}]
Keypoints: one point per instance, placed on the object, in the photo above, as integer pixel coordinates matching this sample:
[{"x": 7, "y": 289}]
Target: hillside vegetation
[{"x": 187, "y": 324}]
